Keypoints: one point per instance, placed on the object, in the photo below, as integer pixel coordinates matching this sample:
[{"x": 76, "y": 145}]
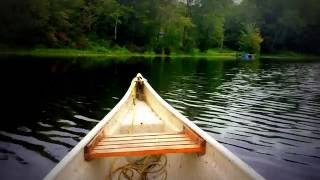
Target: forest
[{"x": 162, "y": 26}]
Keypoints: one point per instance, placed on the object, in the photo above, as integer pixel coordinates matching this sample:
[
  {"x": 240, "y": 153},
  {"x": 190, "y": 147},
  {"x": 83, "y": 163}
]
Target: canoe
[{"x": 143, "y": 137}]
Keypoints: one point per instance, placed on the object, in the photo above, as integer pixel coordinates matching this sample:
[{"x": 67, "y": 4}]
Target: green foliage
[
  {"x": 163, "y": 26},
  {"x": 209, "y": 17},
  {"x": 290, "y": 24},
  {"x": 173, "y": 24},
  {"x": 250, "y": 39},
  {"x": 217, "y": 37}
]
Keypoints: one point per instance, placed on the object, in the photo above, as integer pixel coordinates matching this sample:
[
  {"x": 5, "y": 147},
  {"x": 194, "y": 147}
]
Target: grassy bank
[
  {"x": 123, "y": 52},
  {"x": 47, "y": 52},
  {"x": 120, "y": 52}
]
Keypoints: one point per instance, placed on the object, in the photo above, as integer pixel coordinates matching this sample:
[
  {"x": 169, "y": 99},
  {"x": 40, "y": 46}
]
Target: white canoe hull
[{"x": 216, "y": 163}]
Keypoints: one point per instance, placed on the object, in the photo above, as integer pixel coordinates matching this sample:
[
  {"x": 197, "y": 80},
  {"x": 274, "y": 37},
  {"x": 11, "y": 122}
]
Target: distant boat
[
  {"x": 143, "y": 137},
  {"x": 245, "y": 56}
]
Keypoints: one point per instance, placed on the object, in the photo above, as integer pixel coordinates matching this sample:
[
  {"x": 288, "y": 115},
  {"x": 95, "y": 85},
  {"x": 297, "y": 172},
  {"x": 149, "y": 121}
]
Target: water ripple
[
  {"x": 266, "y": 112},
  {"x": 263, "y": 113}
]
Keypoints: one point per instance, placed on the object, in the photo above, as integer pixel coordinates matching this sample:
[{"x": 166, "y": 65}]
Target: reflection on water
[{"x": 266, "y": 112}]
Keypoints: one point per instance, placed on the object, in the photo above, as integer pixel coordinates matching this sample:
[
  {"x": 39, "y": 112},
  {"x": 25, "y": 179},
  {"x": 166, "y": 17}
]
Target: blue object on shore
[{"x": 246, "y": 56}]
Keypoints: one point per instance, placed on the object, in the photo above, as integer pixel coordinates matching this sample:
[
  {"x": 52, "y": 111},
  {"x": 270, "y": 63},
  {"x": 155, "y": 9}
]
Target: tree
[
  {"x": 250, "y": 39},
  {"x": 115, "y": 12},
  {"x": 290, "y": 25},
  {"x": 173, "y": 22},
  {"x": 217, "y": 37},
  {"x": 209, "y": 17},
  {"x": 163, "y": 24},
  {"x": 21, "y": 22},
  {"x": 247, "y": 12}
]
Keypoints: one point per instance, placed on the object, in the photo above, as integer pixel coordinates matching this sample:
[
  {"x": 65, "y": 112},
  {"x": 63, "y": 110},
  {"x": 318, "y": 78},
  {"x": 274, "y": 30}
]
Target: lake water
[{"x": 267, "y": 112}]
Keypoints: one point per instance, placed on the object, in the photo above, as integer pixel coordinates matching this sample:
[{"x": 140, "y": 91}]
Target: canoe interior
[{"x": 148, "y": 113}]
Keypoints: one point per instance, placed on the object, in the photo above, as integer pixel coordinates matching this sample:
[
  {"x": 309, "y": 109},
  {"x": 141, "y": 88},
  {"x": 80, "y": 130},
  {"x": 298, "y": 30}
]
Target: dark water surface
[{"x": 267, "y": 112}]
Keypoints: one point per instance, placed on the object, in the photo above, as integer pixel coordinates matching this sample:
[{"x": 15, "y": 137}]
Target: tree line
[{"x": 163, "y": 26}]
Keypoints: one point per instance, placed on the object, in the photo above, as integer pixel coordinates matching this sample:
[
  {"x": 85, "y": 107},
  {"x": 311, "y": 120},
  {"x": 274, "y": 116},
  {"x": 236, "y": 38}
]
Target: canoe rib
[{"x": 145, "y": 144}]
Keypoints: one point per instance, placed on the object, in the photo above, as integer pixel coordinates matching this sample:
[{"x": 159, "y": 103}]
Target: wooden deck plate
[{"x": 145, "y": 144}]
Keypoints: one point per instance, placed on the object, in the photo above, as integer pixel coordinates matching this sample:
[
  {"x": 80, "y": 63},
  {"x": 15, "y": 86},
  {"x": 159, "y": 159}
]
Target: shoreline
[{"x": 221, "y": 54}]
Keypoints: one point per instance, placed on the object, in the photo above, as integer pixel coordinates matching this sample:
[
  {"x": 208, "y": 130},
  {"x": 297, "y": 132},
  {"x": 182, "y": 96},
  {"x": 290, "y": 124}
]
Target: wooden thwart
[{"x": 144, "y": 144}]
